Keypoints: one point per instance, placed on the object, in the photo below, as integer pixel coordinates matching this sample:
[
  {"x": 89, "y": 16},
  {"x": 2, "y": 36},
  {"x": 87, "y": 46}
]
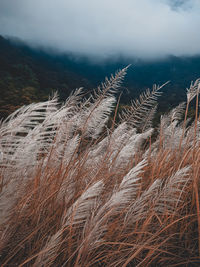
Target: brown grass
[{"x": 90, "y": 197}]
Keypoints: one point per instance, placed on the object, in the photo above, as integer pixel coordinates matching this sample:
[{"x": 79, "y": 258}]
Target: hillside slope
[{"x": 28, "y": 75}]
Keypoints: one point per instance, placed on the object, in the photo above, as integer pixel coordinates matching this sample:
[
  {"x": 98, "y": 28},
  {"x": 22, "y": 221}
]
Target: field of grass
[{"x": 81, "y": 188}]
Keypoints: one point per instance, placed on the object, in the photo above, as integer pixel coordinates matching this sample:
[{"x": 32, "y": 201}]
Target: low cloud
[{"x": 139, "y": 28}]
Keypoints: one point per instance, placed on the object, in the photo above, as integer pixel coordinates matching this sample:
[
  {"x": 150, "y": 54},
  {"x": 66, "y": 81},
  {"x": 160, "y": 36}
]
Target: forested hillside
[{"x": 30, "y": 75}]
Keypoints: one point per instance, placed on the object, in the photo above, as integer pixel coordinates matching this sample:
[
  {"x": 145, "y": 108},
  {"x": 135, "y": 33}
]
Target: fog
[{"x": 102, "y": 28}]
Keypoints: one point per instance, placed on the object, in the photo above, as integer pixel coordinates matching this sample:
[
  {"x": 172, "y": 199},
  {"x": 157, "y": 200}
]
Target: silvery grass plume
[
  {"x": 26, "y": 137},
  {"x": 78, "y": 192},
  {"x": 47, "y": 128},
  {"x": 193, "y": 91},
  {"x": 139, "y": 114},
  {"x": 171, "y": 127},
  {"x": 162, "y": 195},
  {"x": 171, "y": 130},
  {"x": 77, "y": 214},
  {"x": 94, "y": 235}
]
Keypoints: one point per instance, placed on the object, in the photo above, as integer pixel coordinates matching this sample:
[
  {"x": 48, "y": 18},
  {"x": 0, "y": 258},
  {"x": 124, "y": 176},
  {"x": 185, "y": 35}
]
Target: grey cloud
[{"x": 141, "y": 28}]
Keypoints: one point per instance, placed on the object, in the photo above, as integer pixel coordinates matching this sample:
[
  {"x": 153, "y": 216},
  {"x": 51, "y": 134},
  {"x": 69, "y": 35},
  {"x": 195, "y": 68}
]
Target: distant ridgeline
[{"x": 30, "y": 75}]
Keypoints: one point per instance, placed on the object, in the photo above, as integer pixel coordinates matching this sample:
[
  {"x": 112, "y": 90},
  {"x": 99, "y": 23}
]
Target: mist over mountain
[
  {"x": 148, "y": 29},
  {"x": 28, "y": 75}
]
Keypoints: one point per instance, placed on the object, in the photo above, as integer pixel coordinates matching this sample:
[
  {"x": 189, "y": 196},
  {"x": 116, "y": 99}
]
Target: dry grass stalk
[{"x": 77, "y": 193}]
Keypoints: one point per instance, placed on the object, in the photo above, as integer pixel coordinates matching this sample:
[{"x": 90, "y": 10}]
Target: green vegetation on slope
[{"x": 30, "y": 75}]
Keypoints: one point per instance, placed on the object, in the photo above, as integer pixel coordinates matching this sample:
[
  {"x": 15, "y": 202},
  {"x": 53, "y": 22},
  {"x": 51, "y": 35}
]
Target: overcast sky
[{"x": 141, "y": 28}]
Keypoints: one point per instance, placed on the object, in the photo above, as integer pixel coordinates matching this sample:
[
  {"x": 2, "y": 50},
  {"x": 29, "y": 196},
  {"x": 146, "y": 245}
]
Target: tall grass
[{"x": 80, "y": 188}]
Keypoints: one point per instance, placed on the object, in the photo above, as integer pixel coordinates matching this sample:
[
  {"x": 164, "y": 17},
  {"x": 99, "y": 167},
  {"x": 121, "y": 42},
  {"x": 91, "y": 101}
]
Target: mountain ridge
[{"x": 30, "y": 75}]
